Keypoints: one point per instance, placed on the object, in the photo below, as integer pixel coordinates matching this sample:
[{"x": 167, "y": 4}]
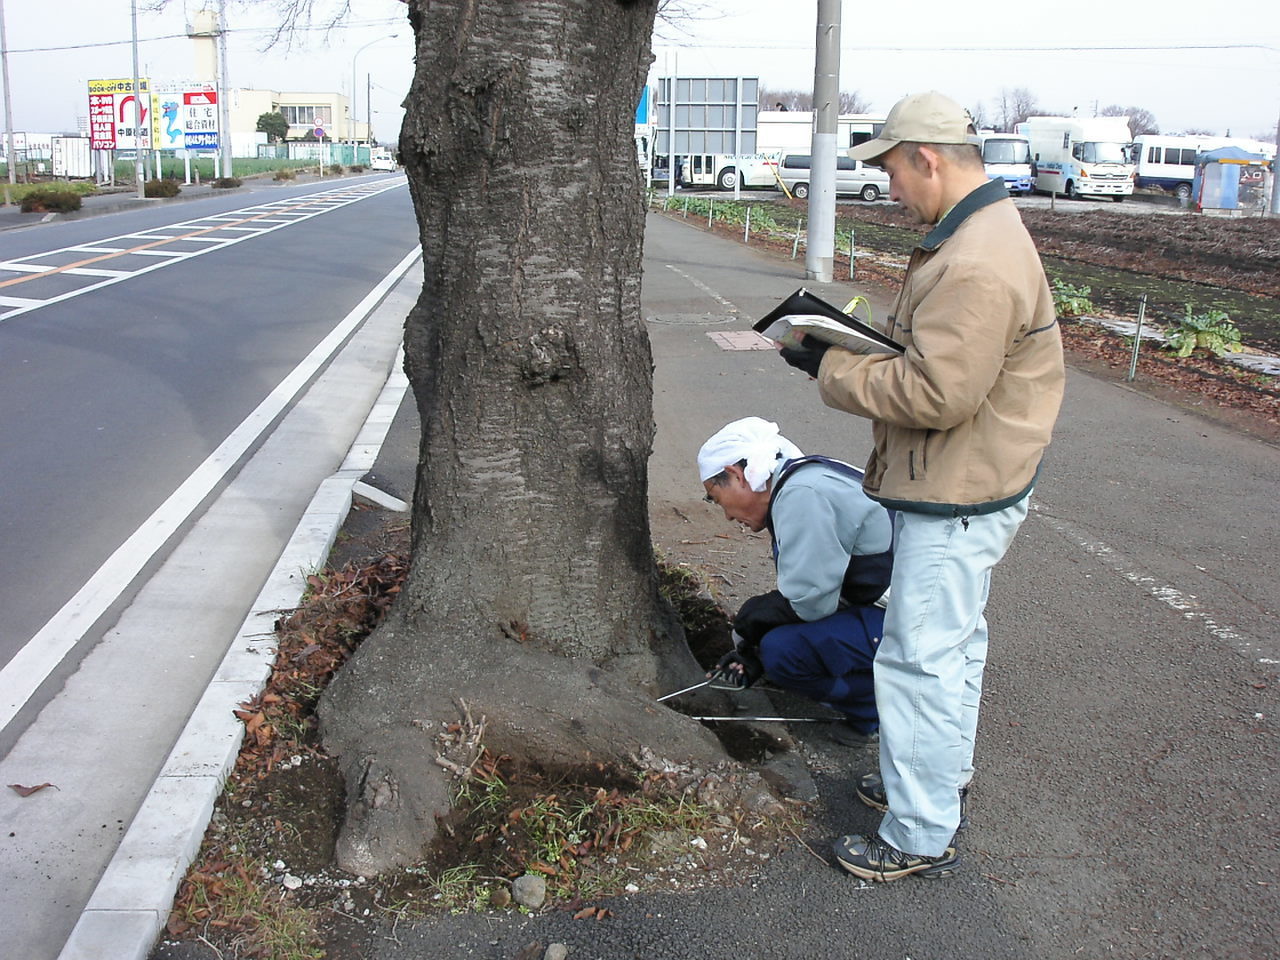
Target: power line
[
  {"x": 182, "y": 36},
  {"x": 975, "y": 49}
]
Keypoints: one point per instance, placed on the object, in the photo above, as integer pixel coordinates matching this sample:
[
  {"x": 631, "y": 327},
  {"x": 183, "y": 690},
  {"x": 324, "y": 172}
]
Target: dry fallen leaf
[{"x": 22, "y": 791}]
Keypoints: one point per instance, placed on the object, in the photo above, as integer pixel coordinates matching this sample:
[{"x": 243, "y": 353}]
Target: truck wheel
[
  {"x": 1119, "y": 198},
  {"x": 1182, "y": 191},
  {"x": 800, "y": 191},
  {"x": 1071, "y": 190},
  {"x": 870, "y": 192},
  {"x": 728, "y": 177}
]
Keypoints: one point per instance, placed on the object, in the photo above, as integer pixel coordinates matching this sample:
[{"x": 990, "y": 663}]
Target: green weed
[
  {"x": 1211, "y": 330},
  {"x": 1070, "y": 300}
]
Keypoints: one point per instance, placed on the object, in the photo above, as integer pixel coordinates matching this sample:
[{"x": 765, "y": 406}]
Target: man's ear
[
  {"x": 928, "y": 160},
  {"x": 736, "y": 472}
]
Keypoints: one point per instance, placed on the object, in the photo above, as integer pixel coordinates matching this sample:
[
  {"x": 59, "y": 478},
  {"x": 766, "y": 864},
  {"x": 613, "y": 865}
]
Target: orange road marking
[{"x": 145, "y": 246}]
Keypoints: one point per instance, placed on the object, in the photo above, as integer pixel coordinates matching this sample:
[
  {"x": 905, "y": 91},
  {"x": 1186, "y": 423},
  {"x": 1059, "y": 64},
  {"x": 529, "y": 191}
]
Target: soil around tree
[{"x": 264, "y": 884}]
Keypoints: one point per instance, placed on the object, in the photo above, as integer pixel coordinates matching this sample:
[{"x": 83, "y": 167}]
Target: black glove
[
  {"x": 758, "y": 615},
  {"x": 808, "y": 356},
  {"x": 738, "y": 667}
]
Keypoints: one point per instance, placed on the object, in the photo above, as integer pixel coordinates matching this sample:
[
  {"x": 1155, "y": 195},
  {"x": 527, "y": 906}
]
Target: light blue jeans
[{"x": 928, "y": 671}]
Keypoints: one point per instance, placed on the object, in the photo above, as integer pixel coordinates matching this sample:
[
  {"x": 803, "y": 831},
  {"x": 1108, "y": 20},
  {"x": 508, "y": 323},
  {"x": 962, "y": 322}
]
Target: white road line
[
  {"x": 28, "y": 267},
  {"x": 1185, "y": 603},
  {"x": 704, "y": 288},
  {"x": 17, "y": 301},
  {"x": 29, "y": 668},
  {"x": 93, "y": 272}
]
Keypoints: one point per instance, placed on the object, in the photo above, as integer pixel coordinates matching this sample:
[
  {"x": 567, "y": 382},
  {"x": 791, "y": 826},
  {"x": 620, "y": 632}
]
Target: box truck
[
  {"x": 1007, "y": 157},
  {"x": 1081, "y": 156}
]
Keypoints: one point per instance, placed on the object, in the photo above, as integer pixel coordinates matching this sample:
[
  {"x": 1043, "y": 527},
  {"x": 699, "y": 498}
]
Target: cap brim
[{"x": 872, "y": 150}]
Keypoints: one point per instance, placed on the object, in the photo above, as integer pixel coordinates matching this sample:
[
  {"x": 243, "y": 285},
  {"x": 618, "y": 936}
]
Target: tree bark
[{"x": 533, "y": 590}]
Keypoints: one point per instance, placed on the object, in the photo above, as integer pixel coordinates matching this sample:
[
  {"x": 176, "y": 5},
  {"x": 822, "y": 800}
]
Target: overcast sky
[{"x": 888, "y": 49}]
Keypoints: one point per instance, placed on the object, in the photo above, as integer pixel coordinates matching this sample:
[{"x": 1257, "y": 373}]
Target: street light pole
[
  {"x": 137, "y": 108},
  {"x": 390, "y": 36},
  {"x": 224, "y": 94},
  {"x": 8, "y": 103},
  {"x": 819, "y": 263}
]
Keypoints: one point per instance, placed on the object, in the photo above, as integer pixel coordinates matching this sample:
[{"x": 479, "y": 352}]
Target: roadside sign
[
  {"x": 111, "y": 115},
  {"x": 188, "y": 110},
  {"x": 319, "y": 132}
]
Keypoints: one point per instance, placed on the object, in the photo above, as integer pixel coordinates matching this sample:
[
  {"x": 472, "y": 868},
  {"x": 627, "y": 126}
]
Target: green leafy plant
[
  {"x": 274, "y": 125},
  {"x": 161, "y": 188},
  {"x": 1070, "y": 300},
  {"x": 226, "y": 183},
  {"x": 50, "y": 201},
  {"x": 1211, "y": 330},
  {"x": 335, "y": 169},
  {"x": 285, "y": 175}
]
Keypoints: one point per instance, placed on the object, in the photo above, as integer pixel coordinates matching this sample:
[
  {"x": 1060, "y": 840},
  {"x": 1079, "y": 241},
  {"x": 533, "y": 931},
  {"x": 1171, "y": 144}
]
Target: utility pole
[
  {"x": 1275, "y": 169},
  {"x": 137, "y": 109},
  {"x": 8, "y": 103},
  {"x": 224, "y": 92},
  {"x": 819, "y": 258}
]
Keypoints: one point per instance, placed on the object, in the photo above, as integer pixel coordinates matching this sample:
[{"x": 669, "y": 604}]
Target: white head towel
[{"x": 752, "y": 439}]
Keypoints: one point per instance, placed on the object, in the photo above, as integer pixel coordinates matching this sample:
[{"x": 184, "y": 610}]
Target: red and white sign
[{"x": 113, "y": 122}]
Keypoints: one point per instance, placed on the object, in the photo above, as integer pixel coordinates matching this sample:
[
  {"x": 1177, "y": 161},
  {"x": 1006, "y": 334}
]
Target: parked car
[{"x": 852, "y": 176}]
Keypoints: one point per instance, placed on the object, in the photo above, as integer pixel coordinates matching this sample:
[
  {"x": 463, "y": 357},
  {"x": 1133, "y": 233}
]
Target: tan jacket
[{"x": 963, "y": 417}]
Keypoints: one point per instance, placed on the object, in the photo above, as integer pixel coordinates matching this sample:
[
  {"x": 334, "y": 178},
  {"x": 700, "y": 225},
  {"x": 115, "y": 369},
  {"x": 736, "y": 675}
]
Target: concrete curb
[{"x": 131, "y": 903}]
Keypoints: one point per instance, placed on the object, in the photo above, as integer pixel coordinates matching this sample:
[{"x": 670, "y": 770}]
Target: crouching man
[{"x": 818, "y": 632}]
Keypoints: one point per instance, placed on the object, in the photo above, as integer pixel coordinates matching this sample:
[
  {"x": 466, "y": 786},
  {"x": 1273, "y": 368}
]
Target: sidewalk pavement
[
  {"x": 127, "y": 909},
  {"x": 1064, "y": 886}
]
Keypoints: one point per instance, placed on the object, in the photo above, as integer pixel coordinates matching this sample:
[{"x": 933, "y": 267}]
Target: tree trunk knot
[{"x": 547, "y": 357}]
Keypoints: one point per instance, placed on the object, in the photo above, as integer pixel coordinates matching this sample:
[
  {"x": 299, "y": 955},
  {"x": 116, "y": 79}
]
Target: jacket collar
[{"x": 975, "y": 200}]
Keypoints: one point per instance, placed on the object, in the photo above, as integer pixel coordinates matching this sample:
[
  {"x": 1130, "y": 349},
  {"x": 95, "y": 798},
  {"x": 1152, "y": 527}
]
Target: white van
[{"x": 852, "y": 176}]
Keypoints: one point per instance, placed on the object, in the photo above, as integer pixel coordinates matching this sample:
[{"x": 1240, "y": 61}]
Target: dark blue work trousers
[{"x": 829, "y": 660}]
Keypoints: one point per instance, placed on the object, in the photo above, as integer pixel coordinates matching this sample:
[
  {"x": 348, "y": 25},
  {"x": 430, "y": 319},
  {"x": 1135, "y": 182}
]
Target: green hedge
[
  {"x": 47, "y": 200},
  {"x": 161, "y": 188}
]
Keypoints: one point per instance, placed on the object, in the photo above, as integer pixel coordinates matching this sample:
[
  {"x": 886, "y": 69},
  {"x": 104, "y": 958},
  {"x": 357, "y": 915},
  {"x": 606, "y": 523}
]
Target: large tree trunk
[{"x": 533, "y": 590}]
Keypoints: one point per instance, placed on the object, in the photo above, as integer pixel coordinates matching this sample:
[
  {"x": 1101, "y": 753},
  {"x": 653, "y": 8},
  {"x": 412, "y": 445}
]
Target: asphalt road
[
  {"x": 1125, "y": 799},
  {"x": 116, "y": 394}
]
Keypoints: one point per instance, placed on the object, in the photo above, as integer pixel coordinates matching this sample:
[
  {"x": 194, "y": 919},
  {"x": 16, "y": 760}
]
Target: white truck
[
  {"x": 1081, "y": 156},
  {"x": 1007, "y": 157}
]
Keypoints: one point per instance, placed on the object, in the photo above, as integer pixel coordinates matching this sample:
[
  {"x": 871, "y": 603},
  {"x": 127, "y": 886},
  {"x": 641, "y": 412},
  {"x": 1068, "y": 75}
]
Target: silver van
[{"x": 852, "y": 176}]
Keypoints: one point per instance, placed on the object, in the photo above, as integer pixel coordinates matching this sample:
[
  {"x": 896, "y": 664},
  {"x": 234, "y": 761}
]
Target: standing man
[
  {"x": 960, "y": 423},
  {"x": 817, "y": 633}
]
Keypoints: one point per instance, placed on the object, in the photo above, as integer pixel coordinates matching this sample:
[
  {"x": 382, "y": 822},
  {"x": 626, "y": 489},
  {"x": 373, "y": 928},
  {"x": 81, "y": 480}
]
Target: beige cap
[{"x": 920, "y": 118}]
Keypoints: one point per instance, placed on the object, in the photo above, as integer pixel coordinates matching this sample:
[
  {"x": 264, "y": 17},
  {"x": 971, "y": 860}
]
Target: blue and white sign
[{"x": 188, "y": 112}]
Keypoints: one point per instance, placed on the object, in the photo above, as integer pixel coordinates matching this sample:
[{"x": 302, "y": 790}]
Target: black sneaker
[
  {"x": 847, "y": 735},
  {"x": 870, "y": 790},
  {"x": 873, "y": 859}
]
